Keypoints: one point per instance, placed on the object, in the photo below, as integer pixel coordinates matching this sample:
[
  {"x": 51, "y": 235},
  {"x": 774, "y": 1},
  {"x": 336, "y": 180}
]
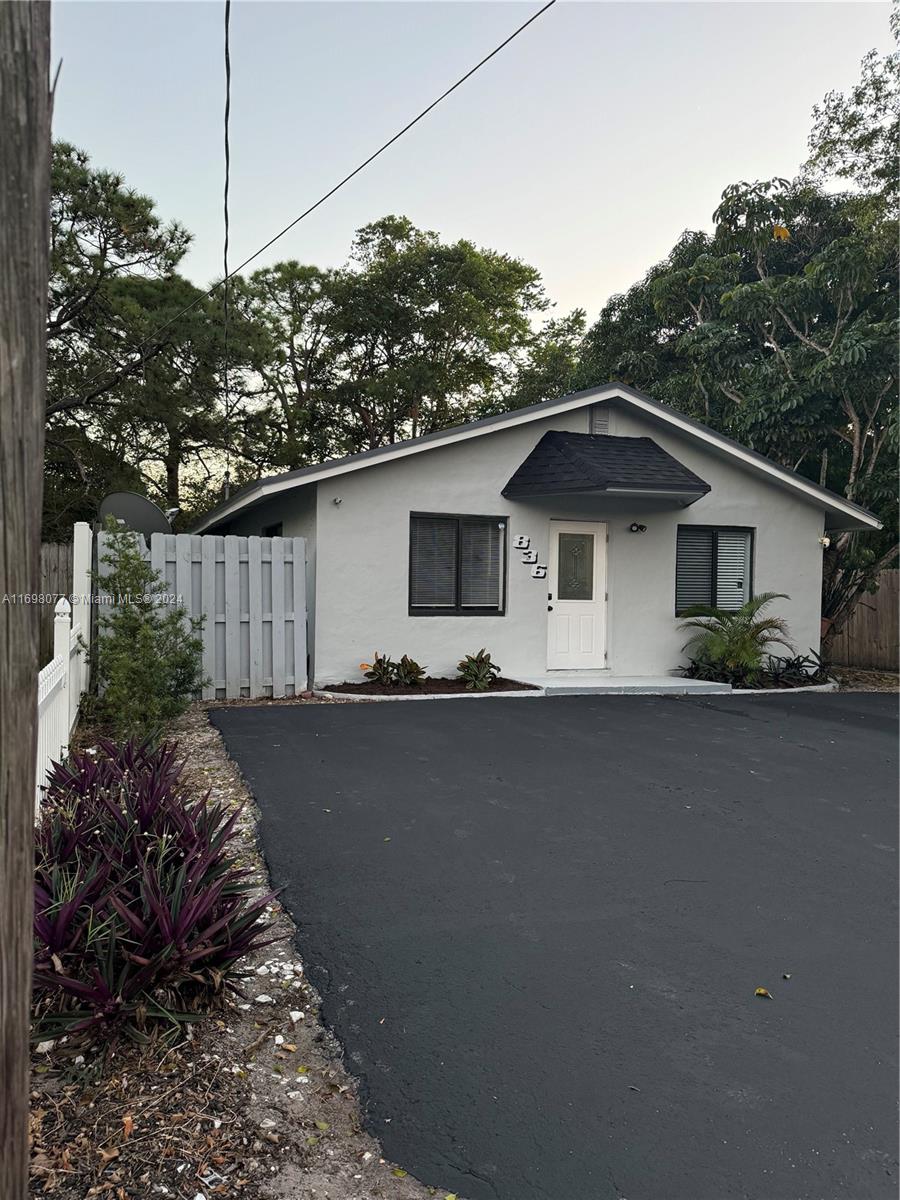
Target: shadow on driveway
[{"x": 537, "y": 927}]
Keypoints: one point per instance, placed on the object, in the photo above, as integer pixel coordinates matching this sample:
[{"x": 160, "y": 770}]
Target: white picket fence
[{"x": 64, "y": 680}]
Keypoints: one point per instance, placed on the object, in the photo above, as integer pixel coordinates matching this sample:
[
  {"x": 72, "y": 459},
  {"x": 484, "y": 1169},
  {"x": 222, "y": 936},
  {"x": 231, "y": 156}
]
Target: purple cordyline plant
[{"x": 140, "y": 909}]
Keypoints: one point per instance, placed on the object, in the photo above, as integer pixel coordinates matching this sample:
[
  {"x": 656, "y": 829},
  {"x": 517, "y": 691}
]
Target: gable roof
[
  {"x": 847, "y": 514},
  {"x": 563, "y": 463}
]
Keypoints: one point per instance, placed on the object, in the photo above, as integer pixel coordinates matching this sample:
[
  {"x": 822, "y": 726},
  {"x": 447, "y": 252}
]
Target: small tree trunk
[
  {"x": 173, "y": 471},
  {"x": 24, "y": 244}
]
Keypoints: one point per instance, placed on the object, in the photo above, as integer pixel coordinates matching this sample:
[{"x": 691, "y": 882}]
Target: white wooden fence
[
  {"x": 251, "y": 592},
  {"x": 64, "y": 680}
]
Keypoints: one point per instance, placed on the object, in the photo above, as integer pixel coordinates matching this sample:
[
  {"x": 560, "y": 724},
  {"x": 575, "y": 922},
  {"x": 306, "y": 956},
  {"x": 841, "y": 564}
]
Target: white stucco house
[{"x": 564, "y": 537}]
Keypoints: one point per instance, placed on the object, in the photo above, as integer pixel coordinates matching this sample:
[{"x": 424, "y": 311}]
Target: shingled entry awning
[{"x": 585, "y": 463}]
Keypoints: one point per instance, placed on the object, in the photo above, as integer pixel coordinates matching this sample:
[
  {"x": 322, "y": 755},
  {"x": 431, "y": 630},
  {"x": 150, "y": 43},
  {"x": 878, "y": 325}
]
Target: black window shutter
[
  {"x": 693, "y": 567},
  {"x": 732, "y": 568}
]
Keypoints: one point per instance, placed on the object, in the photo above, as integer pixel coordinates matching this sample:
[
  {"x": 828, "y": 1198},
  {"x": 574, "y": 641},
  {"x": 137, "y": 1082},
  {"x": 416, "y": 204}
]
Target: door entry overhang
[{"x": 572, "y": 464}]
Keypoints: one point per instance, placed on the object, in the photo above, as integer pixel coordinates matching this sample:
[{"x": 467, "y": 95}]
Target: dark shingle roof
[{"x": 585, "y": 462}]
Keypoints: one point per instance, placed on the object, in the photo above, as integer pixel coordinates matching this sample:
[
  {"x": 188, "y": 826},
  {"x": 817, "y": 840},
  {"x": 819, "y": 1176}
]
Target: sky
[{"x": 584, "y": 148}]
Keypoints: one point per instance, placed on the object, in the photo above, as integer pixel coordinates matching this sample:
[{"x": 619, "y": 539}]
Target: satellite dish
[{"x": 134, "y": 512}]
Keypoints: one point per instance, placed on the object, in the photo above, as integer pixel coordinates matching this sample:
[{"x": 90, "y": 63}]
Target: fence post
[
  {"x": 82, "y": 548},
  {"x": 62, "y": 627}
]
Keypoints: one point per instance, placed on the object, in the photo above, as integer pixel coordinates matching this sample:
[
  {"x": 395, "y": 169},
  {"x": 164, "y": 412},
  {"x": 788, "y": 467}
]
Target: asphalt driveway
[{"x": 538, "y": 925}]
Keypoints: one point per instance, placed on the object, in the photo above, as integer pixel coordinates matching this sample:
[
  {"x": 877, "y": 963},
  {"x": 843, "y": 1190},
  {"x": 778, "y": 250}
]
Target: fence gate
[{"x": 252, "y": 593}]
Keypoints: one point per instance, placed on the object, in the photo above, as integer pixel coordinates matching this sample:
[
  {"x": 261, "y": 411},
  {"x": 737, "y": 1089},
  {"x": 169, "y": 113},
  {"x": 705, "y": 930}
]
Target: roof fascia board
[
  {"x": 403, "y": 449},
  {"x": 538, "y": 412},
  {"x": 759, "y": 462}
]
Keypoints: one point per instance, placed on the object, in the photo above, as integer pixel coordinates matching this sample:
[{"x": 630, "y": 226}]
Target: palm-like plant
[{"x": 734, "y": 641}]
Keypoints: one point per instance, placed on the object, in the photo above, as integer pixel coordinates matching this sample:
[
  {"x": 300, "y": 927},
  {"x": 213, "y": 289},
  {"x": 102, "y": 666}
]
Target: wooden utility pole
[{"x": 24, "y": 250}]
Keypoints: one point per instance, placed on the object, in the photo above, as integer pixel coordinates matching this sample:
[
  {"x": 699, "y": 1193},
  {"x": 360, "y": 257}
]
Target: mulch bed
[
  {"x": 853, "y": 679},
  {"x": 428, "y": 687},
  {"x": 252, "y": 1103}
]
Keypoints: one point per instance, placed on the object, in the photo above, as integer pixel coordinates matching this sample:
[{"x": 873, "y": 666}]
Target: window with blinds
[
  {"x": 713, "y": 566},
  {"x": 456, "y": 565}
]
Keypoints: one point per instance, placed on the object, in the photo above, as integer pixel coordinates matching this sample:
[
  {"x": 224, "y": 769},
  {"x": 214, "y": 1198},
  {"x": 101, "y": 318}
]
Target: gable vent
[{"x": 599, "y": 418}]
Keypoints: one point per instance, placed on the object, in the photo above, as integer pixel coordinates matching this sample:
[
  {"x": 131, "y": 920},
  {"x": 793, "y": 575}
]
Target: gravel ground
[
  {"x": 254, "y": 1103},
  {"x": 853, "y": 679}
]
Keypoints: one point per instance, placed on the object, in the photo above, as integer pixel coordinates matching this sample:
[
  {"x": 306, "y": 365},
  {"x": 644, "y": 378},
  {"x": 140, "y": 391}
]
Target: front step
[{"x": 631, "y": 685}]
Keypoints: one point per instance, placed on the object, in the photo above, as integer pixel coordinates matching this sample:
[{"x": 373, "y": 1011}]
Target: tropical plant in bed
[
  {"x": 380, "y": 670},
  {"x": 799, "y": 670},
  {"x": 141, "y": 911},
  {"x": 408, "y": 673},
  {"x": 733, "y": 643},
  {"x": 478, "y": 671}
]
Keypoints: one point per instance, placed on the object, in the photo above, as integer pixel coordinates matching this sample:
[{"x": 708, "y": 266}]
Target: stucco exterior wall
[{"x": 362, "y": 553}]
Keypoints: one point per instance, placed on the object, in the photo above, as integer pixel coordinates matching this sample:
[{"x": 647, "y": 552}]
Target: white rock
[
  {"x": 264, "y": 999},
  {"x": 268, "y": 1123},
  {"x": 262, "y": 970},
  {"x": 279, "y": 1040},
  {"x": 45, "y": 1047}
]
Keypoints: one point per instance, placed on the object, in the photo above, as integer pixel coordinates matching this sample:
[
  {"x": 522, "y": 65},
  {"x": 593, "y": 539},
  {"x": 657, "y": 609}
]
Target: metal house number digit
[
  {"x": 529, "y": 556},
  {"x": 522, "y": 542},
  {"x": 539, "y": 572}
]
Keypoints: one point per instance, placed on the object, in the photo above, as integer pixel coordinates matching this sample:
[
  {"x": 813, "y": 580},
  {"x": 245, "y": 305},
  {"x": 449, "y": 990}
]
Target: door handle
[{"x": 549, "y": 608}]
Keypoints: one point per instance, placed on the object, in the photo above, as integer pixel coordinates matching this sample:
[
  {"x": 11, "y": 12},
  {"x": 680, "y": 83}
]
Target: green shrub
[
  {"x": 730, "y": 645},
  {"x": 408, "y": 673},
  {"x": 380, "y": 670},
  {"x": 478, "y": 671},
  {"x": 148, "y": 654}
]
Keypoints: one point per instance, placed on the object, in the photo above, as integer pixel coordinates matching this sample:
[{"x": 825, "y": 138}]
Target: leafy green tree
[
  {"x": 548, "y": 366},
  {"x": 412, "y": 335},
  {"x": 180, "y": 435},
  {"x": 290, "y": 309},
  {"x": 856, "y": 136},
  {"x": 100, "y": 231},
  {"x": 781, "y": 328}
]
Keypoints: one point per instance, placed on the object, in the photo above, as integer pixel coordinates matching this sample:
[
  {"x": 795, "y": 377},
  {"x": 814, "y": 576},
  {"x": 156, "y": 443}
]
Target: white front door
[{"x": 576, "y": 620}]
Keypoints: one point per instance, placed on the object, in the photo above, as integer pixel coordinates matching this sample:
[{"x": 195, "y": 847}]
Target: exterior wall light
[
  {"x": 337, "y": 500},
  {"x": 825, "y": 541},
  {"x": 635, "y": 528}
]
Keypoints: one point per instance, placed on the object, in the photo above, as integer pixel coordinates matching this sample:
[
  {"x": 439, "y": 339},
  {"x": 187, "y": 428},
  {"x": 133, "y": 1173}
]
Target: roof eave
[{"x": 852, "y": 515}]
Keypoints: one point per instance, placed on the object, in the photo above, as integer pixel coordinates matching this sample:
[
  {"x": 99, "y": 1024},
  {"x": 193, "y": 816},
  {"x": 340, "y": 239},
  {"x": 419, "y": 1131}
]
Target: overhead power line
[{"x": 327, "y": 195}]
